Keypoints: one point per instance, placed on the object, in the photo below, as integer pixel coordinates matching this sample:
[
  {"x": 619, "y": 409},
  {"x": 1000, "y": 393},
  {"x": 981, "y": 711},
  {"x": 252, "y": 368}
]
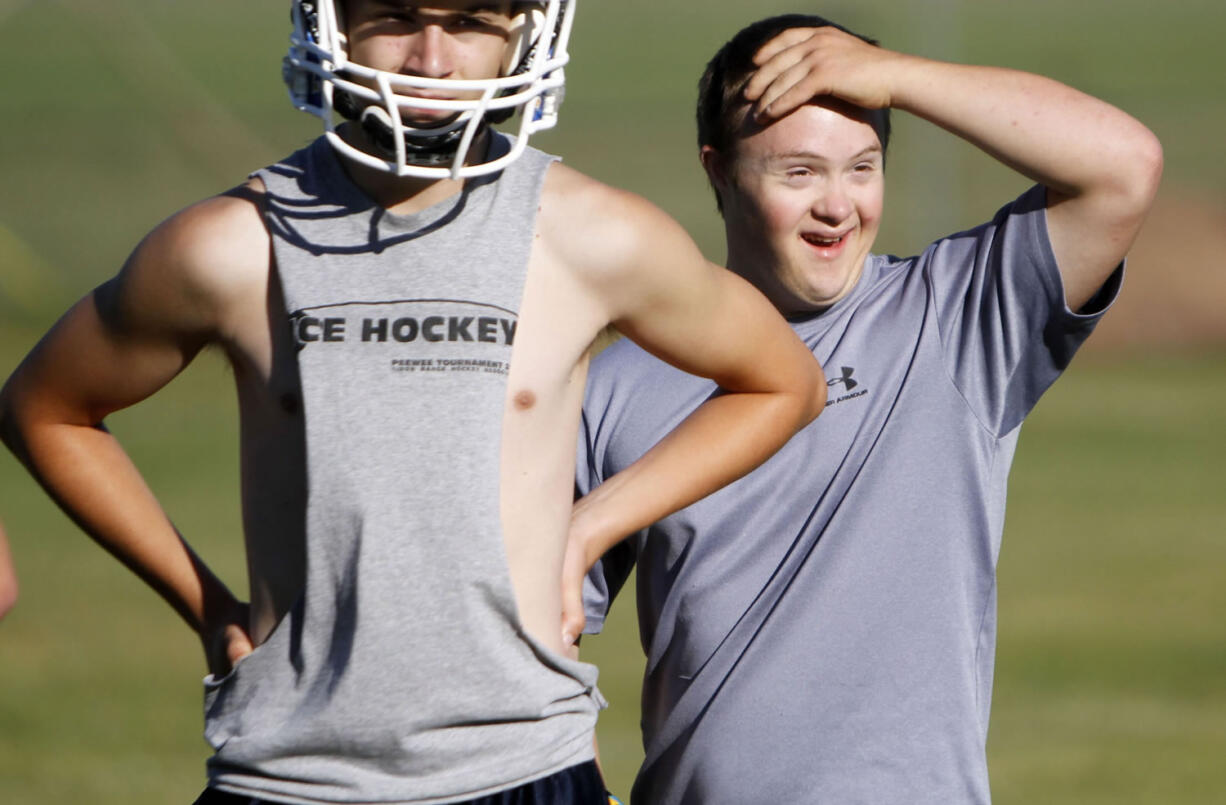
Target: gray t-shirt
[{"x": 823, "y": 630}]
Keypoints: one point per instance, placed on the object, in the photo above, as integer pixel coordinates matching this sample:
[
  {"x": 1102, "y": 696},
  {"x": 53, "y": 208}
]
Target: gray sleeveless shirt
[{"x": 403, "y": 674}]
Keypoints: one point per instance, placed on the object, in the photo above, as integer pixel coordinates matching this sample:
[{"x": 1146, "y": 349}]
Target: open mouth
[{"x": 825, "y": 243}]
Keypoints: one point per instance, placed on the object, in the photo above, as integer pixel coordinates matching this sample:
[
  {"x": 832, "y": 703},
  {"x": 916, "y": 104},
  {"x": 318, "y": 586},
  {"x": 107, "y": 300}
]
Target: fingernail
[{"x": 568, "y": 638}]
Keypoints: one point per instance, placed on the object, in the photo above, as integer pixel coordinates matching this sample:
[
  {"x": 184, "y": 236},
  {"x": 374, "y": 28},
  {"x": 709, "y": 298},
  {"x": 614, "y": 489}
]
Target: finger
[
  {"x": 770, "y": 71},
  {"x": 792, "y": 99},
  {"x": 781, "y": 42},
  {"x": 573, "y": 621},
  {"x": 790, "y": 91}
]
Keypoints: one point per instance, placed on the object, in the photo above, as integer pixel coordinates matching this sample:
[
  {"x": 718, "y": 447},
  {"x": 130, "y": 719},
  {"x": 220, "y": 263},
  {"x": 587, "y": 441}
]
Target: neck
[
  {"x": 749, "y": 268},
  {"x": 748, "y": 263}
]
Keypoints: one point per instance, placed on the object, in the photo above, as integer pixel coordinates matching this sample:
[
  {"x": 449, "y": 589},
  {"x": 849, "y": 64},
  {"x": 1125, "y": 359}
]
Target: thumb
[
  {"x": 238, "y": 644},
  {"x": 226, "y": 645},
  {"x": 573, "y": 619},
  {"x": 572, "y": 600}
]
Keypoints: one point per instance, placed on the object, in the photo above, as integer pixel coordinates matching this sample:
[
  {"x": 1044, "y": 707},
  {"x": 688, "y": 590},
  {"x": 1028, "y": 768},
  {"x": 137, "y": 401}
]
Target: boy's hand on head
[{"x": 803, "y": 63}]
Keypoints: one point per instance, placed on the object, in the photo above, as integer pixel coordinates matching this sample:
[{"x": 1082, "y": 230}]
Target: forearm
[
  {"x": 1055, "y": 135},
  {"x": 723, "y": 439},
  {"x": 1062, "y": 138},
  {"x": 88, "y": 474}
]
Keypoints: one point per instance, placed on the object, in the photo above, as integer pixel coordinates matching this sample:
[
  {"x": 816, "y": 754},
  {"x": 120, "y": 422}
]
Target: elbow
[
  {"x": 1156, "y": 162},
  {"x": 17, "y": 410},
  {"x": 813, "y": 396},
  {"x": 9, "y": 430},
  {"x": 1119, "y": 198},
  {"x": 817, "y": 402},
  {"x": 14, "y": 426},
  {"x": 1149, "y": 162},
  {"x": 1136, "y": 185}
]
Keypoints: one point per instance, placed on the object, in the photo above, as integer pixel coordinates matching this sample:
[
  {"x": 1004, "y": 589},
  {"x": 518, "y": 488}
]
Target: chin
[
  {"x": 824, "y": 292},
  {"x": 427, "y": 118},
  {"x": 425, "y": 122}
]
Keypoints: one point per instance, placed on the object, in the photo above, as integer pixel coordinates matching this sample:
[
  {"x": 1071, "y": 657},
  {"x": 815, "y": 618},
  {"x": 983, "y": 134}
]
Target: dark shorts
[{"x": 577, "y": 785}]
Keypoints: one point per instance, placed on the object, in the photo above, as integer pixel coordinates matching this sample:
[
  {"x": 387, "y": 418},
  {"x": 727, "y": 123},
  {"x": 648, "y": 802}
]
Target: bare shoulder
[
  {"x": 605, "y": 232},
  {"x": 198, "y": 266},
  {"x": 214, "y": 247}
]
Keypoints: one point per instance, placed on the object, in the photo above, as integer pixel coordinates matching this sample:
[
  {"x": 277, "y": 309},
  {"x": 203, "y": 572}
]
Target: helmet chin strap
[{"x": 433, "y": 149}]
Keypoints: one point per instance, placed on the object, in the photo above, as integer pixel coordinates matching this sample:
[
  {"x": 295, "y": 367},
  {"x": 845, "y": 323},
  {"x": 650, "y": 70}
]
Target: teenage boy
[{"x": 823, "y": 630}]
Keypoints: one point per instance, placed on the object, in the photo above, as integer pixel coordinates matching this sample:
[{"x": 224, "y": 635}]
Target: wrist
[
  {"x": 590, "y": 532},
  {"x": 906, "y": 78},
  {"x": 219, "y": 607}
]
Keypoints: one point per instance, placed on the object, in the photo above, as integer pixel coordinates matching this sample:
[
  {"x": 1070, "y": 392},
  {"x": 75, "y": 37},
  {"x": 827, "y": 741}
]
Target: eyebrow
[
  {"x": 802, "y": 154},
  {"x": 473, "y": 7}
]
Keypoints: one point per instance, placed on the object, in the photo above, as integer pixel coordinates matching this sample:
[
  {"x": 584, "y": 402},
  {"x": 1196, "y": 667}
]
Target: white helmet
[{"x": 323, "y": 82}]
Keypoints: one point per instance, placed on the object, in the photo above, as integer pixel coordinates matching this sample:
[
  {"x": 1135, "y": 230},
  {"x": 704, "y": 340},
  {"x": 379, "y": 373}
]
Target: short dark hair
[{"x": 722, "y": 109}]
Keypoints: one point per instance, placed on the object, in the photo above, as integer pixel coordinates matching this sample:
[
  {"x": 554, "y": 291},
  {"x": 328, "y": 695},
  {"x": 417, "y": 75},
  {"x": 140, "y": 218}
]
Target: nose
[
  {"x": 430, "y": 53},
  {"x": 833, "y": 205}
]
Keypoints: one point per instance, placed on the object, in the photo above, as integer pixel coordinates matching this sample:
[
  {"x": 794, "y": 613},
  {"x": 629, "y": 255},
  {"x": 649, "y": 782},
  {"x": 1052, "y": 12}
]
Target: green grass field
[{"x": 1111, "y": 671}]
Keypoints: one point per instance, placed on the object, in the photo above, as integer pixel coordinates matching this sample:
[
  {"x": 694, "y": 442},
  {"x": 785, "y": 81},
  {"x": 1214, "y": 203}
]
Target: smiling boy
[
  {"x": 407, "y": 305},
  {"x": 823, "y": 630}
]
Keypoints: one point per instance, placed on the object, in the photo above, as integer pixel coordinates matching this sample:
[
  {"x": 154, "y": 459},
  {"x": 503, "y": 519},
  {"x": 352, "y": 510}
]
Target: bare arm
[
  {"x": 8, "y": 577},
  {"x": 661, "y": 292},
  {"x": 1100, "y": 166},
  {"x": 115, "y": 347}
]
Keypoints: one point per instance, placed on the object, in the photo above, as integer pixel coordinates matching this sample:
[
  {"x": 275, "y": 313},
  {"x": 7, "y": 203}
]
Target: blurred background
[{"x": 1111, "y": 669}]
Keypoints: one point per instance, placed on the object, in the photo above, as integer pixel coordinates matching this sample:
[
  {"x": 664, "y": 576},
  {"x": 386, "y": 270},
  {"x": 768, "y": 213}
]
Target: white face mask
[{"x": 323, "y": 82}]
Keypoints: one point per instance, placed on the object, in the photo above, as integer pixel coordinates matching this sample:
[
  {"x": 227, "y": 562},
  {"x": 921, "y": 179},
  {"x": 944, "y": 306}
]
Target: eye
[
  {"x": 864, "y": 171},
  {"x": 478, "y": 21},
  {"x": 799, "y": 178},
  {"x": 403, "y": 17}
]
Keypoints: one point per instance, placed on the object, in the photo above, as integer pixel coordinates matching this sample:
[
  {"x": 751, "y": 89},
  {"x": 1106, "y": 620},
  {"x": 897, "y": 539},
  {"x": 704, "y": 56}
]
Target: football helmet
[{"x": 324, "y": 82}]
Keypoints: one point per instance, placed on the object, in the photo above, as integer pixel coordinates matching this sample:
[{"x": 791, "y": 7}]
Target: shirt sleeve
[{"x": 1006, "y": 331}]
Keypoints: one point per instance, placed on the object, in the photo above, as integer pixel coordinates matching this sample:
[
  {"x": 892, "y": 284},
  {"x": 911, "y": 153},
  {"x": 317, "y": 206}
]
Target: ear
[{"x": 715, "y": 165}]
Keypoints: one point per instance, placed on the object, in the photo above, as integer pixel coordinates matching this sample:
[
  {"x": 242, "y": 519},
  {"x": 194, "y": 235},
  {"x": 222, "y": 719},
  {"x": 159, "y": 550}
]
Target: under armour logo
[{"x": 846, "y": 379}]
